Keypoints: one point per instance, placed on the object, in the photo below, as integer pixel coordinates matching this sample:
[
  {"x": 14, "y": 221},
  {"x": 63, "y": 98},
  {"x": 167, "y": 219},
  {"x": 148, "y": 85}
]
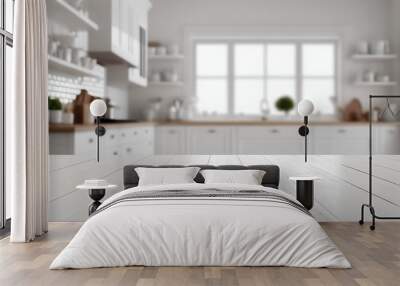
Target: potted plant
[
  {"x": 285, "y": 104},
  {"x": 55, "y": 110}
]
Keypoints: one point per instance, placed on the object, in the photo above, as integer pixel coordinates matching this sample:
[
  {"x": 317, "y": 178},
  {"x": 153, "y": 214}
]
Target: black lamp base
[{"x": 96, "y": 195}]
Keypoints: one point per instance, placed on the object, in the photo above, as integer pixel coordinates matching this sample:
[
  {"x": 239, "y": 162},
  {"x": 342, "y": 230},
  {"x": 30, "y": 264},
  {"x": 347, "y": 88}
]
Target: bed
[{"x": 198, "y": 224}]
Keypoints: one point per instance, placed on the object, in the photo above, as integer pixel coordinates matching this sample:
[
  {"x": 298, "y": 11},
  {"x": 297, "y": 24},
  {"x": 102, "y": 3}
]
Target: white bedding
[{"x": 193, "y": 231}]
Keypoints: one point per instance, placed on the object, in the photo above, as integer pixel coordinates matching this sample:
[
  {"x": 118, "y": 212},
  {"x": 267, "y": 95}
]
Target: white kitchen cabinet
[
  {"x": 170, "y": 140},
  {"x": 268, "y": 140},
  {"x": 340, "y": 140},
  {"x": 139, "y": 42},
  {"x": 387, "y": 140},
  {"x": 117, "y": 40},
  {"x": 206, "y": 140}
]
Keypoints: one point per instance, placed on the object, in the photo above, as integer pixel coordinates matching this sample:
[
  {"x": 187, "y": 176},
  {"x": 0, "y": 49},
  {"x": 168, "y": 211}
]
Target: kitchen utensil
[
  {"x": 173, "y": 49},
  {"x": 363, "y": 48},
  {"x": 161, "y": 51}
]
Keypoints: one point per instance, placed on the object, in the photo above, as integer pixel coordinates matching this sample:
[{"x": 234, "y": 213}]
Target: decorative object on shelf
[
  {"x": 170, "y": 76},
  {"x": 382, "y": 47},
  {"x": 369, "y": 205},
  {"x": 153, "y": 110},
  {"x": 173, "y": 50},
  {"x": 264, "y": 108},
  {"x": 363, "y": 48},
  {"x": 305, "y": 190},
  {"x": 369, "y": 76},
  {"x": 68, "y": 115},
  {"x": 97, "y": 190},
  {"x": 155, "y": 77},
  {"x": 161, "y": 51},
  {"x": 285, "y": 104},
  {"x": 55, "y": 110},
  {"x": 305, "y": 108},
  {"x": 98, "y": 108},
  {"x": 175, "y": 111},
  {"x": 82, "y": 108},
  {"x": 353, "y": 111}
]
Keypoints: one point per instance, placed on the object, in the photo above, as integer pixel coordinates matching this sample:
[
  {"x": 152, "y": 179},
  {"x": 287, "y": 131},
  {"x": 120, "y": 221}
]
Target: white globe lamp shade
[
  {"x": 98, "y": 108},
  {"x": 305, "y": 107}
]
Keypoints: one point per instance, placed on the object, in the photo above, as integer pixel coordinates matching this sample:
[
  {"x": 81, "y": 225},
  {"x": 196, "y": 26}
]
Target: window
[
  {"x": 6, "y": 43},
  {"x": 233, "y": 77}
]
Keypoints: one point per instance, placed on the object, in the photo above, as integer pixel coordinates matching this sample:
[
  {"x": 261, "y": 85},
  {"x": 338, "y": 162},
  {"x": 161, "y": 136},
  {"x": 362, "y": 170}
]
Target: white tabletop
[
  {"x": 304, "y": 178},
  {"x": 88, "y": 187}
]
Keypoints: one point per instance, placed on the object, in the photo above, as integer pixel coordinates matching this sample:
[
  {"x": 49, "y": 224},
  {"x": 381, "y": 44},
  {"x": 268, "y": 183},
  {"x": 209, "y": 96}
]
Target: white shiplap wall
[{"x": 338, "y": 195}]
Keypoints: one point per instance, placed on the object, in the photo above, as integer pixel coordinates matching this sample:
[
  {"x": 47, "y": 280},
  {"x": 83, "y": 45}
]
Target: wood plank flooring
[{"x": 375, "y": 257}]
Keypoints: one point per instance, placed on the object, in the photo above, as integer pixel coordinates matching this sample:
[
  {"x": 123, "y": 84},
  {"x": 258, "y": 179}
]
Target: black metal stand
[
  {"x": 96, "y": 195},
  {"x": 370, "y": 205},
  {"x": 305, "y": 193}
]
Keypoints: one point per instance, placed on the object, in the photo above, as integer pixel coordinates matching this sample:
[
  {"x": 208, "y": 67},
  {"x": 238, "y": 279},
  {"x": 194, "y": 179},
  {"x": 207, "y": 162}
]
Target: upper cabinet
[{"x": 118, "y": 39}]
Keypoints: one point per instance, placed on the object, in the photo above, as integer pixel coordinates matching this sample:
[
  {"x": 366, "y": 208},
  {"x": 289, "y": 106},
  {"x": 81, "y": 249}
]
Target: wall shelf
[
  {"x": 72, "y": 69},
  {"x": 166, "y": 57},
  {"x": 375, "y": 57},
  {"x": 166, "y": 83},
  {"x": 376, "y": 84},
  {"x": 63, "y": 12}
]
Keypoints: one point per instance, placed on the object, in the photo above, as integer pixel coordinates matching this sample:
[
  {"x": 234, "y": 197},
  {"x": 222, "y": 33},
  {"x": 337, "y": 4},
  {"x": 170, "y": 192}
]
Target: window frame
[{"x": 298, "y": 78}]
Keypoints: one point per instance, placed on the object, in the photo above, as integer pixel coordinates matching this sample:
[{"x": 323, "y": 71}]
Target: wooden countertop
[
  {"x": 267, "y": 123},
  {"x": 62, "y": 128}
]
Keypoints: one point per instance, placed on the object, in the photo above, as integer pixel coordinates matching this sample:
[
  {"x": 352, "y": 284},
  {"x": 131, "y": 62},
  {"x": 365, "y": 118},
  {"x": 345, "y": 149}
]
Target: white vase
[{"x": 55, "y": 116}]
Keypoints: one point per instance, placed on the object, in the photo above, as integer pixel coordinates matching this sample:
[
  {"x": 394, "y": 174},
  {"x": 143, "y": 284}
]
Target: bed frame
[{"x": 270, "y": 179}]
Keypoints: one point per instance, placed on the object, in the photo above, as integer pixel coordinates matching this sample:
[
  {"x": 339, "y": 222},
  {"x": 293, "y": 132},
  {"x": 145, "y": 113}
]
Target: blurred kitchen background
[{"x": 225, "y": 77}]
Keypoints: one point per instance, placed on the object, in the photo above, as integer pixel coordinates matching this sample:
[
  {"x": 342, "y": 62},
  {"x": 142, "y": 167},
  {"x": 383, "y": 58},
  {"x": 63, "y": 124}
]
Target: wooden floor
[{"x": 375, "y": 257}]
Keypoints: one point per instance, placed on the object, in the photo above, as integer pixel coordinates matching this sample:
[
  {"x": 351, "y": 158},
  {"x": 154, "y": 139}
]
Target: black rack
[{"x": 370, "y": 205}]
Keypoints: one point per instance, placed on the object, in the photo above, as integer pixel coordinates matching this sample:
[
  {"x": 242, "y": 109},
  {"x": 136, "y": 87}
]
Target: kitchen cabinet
[
  {"x": 268, "y": 140},
  {"x": 327, "y": 140},
  {"x": 118, "y": 147},
  {"x": 170, "y": 140},
  {"x": 207, "y": 140},
  {"x": 275, "y": 140},
  {"x": 387, "y": 139},
  {"x": 117, "y": 40}
]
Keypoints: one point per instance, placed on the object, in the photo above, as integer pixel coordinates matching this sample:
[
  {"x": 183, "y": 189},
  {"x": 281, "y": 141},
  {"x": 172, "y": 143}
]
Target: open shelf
[
  {"x": 377, "y": 84},
  {"x": 166, "y": 57},
  {"x": 72, "y": 69},
  {"x": 166, "y": 83},
  {"x": 63, "y": 12},
  {"x": 375, "y": 57}
]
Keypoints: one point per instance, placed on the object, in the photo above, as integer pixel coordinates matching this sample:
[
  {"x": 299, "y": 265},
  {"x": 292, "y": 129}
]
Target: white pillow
[
  {"x": 166, "y": 176},
  {"x": 247, "y": 177}
]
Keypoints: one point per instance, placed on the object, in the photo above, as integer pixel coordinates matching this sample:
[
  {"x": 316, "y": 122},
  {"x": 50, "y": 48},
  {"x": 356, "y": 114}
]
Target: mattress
[{"x": 201, "y": 225}]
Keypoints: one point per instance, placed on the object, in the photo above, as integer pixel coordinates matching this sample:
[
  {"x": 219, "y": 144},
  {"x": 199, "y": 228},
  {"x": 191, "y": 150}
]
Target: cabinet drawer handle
[
  {"x": 212, "y": 131},
  {"x": 91, "y": 140},
  {"x": 123, "y": 134},
  {"x": 115, "y": 153},
  {"x": 171, "y": 132},
  {"x": 112, "y": 136},
  {"x": 341, "y": 131},
  {"x": 135, "y": 133},
  {"x": 146, "y": 131},
  {"x": 128, "y": 150},
  {"x": 274, "y": 131}
]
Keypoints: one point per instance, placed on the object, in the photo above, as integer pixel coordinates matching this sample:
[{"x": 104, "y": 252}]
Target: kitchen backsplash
[{"x": 67, "y": 88}]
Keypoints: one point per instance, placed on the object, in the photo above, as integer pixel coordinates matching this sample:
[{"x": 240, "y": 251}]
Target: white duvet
[{"x": 202, "y": 232}]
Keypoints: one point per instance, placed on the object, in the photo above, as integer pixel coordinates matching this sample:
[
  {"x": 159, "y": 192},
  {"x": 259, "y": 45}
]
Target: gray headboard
[{"x": 271, "y": 177}]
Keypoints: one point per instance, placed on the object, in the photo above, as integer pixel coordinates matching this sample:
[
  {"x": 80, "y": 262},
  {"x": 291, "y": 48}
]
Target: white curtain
[{"x": 27, "y": 124}]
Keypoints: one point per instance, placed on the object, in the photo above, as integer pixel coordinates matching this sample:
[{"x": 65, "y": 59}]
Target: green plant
[
  {"x": 284, "y": 103},
  {"x": 55, "y": 103}
]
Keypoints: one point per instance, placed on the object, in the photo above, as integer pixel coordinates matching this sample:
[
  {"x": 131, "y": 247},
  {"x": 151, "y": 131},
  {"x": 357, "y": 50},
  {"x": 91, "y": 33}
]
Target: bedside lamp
[
  {"x": 305, "y": 108},
  {"x": 98, "y": 108}
]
